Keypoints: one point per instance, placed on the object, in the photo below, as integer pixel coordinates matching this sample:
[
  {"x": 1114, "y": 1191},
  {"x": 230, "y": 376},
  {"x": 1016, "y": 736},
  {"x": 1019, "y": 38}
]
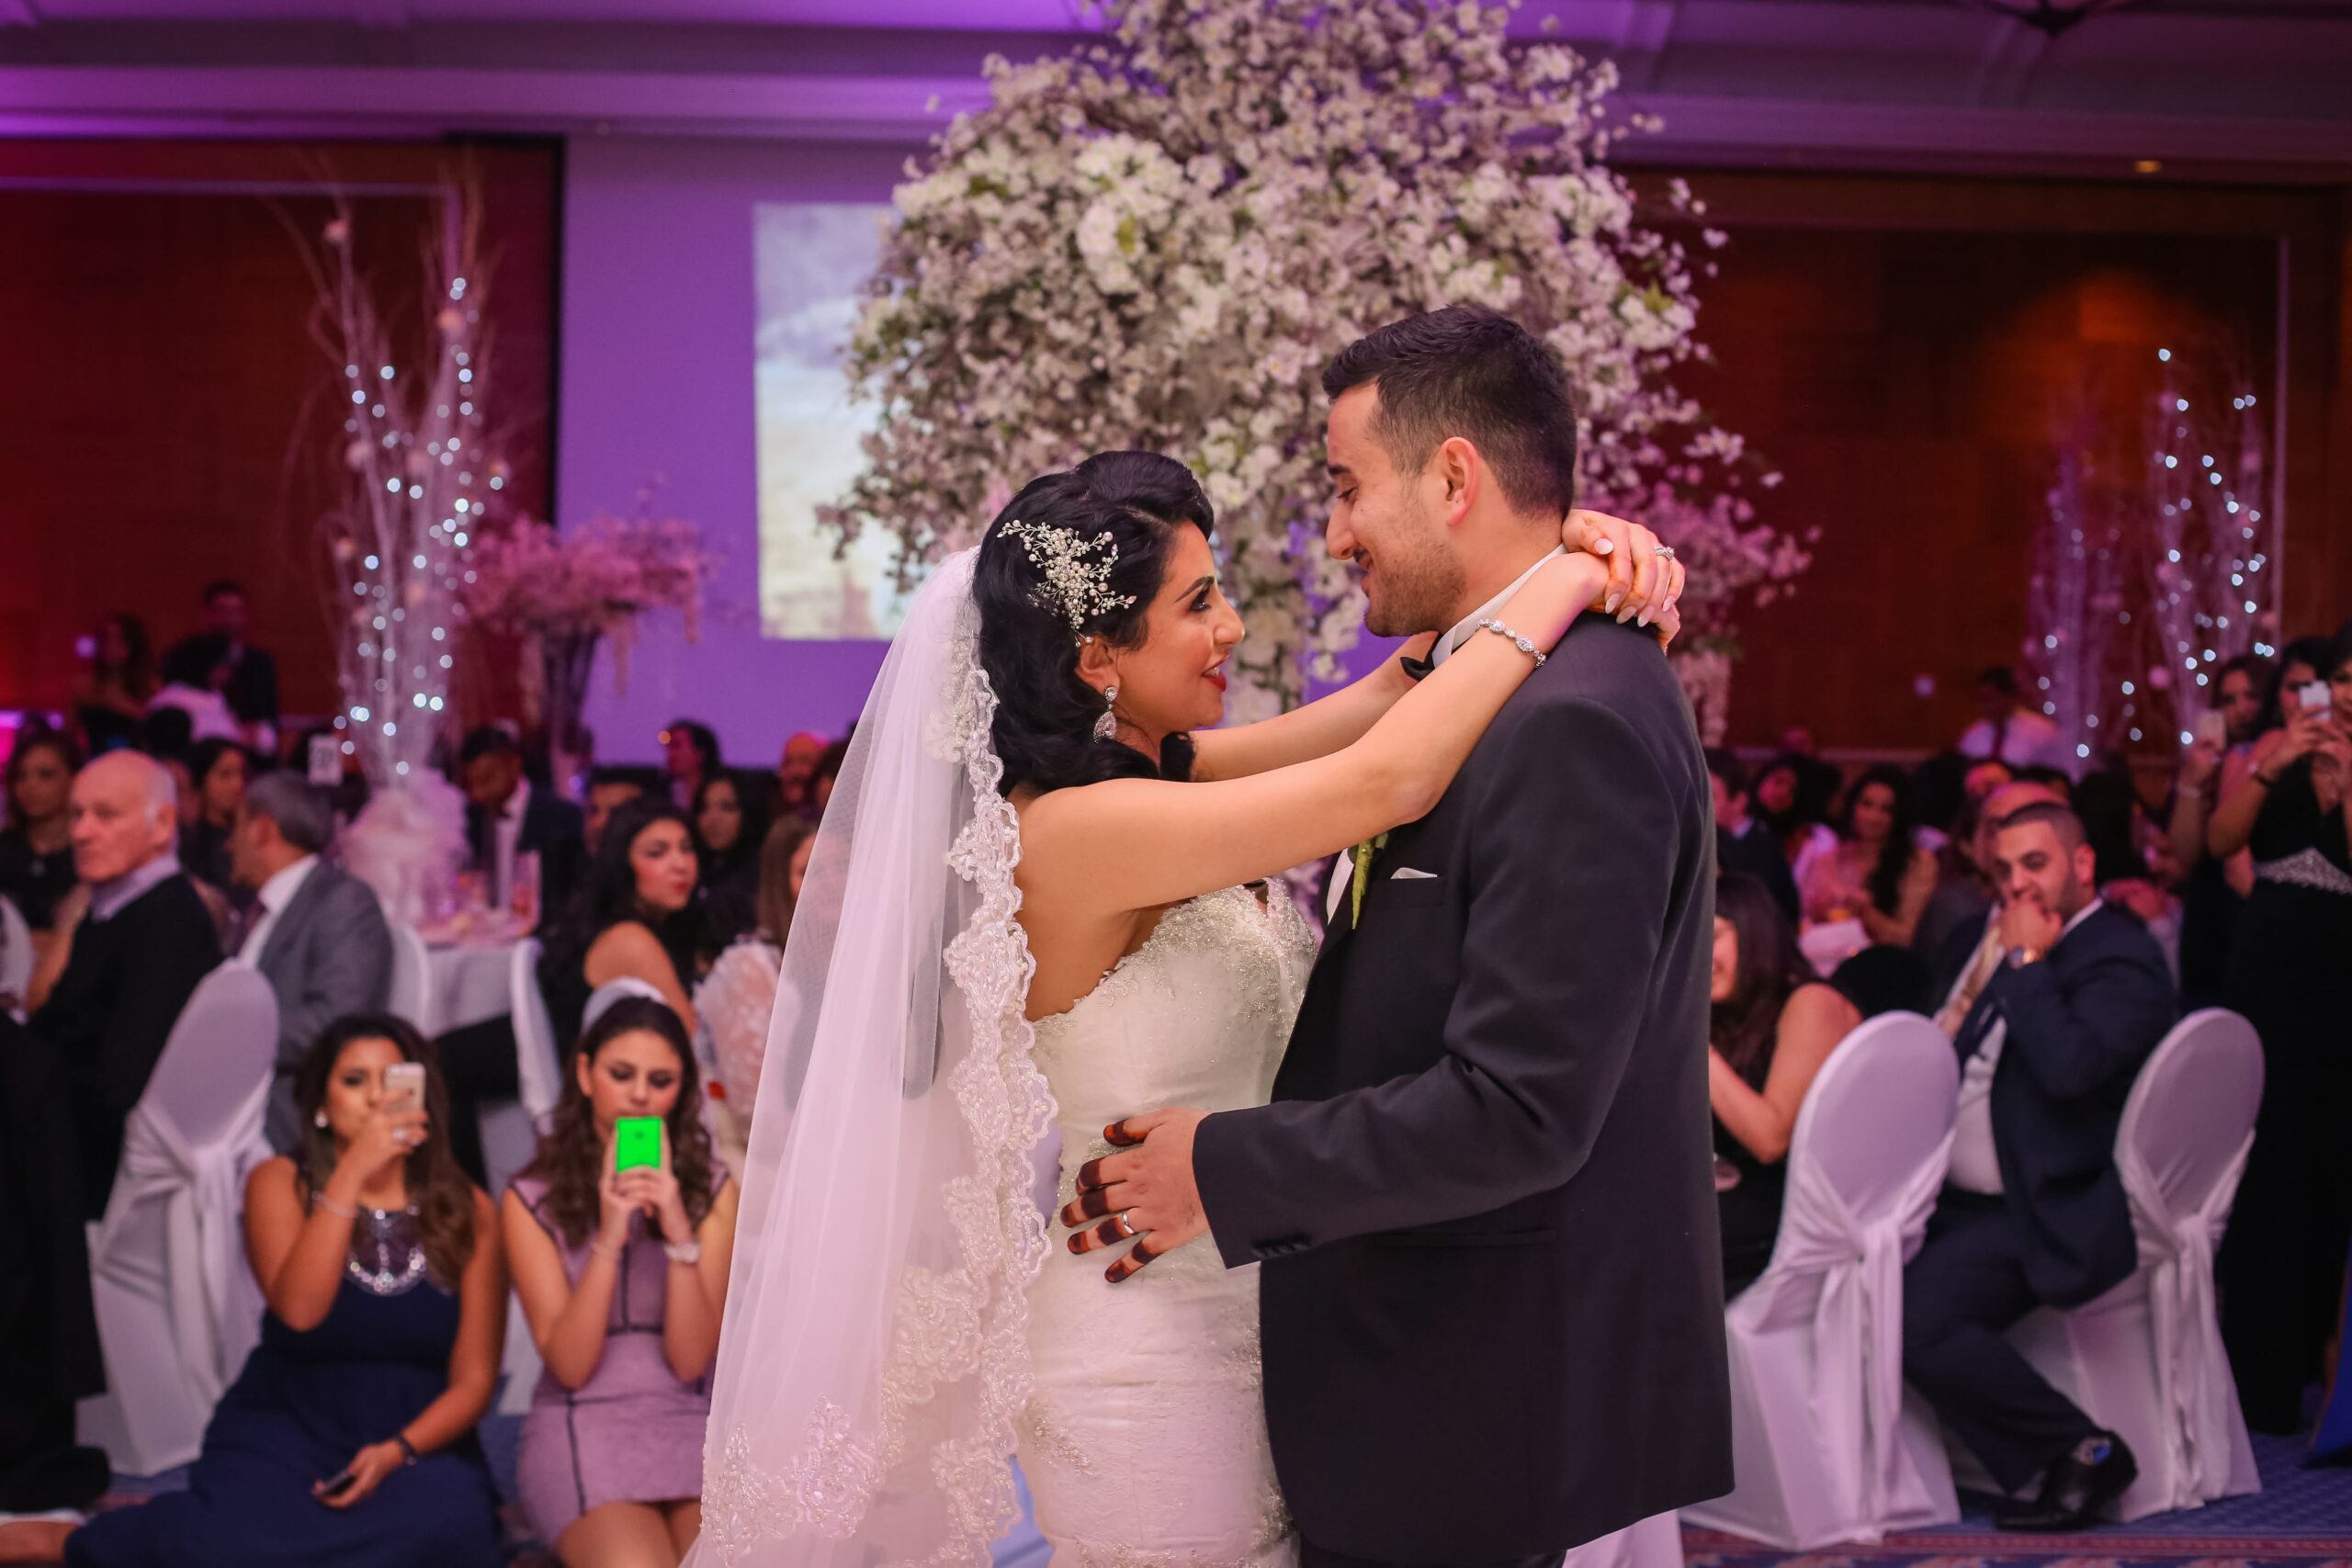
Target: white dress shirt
[
  {"x": 1468, "y": 626},
  {"x": 1975, "y": 1165},
  {"x": 506, "y": 832},
  {"x": 1462, "y": 632},
  {"x": 275, "y": 895}
]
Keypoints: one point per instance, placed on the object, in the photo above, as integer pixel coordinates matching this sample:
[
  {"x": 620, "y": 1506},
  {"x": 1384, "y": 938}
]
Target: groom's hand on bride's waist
[{"x": 1144, "y": 1193}]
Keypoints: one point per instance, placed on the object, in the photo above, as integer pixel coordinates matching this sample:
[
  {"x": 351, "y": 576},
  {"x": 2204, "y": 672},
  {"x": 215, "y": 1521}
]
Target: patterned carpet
[{"x": 2301, "y": 1516}]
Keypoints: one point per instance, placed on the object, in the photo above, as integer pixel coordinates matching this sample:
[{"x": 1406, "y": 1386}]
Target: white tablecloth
[{"x": 471, "y": 982}]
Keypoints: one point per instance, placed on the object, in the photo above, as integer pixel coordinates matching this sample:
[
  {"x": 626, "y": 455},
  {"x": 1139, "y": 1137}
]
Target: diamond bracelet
[{"x": 1522, "y": 644}]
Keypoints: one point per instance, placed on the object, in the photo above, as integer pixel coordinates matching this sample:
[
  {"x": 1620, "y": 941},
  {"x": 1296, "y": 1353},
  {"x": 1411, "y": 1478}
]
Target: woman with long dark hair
[
  {"x": 1877, "y": 874},
  {"x": 350, "y": 1437},
  {"x": 2282, "y": 1263},
  {"x": 623, "y": 1276},
  {"x": 112, "y": 702},
  {"x": 729, "y": 823},
  {"x": 36, "y": 836},
  {"x": 1770, "y": 1030},
  {"x": 636, "y": 916},
  {"x": 219, "y": 770}
]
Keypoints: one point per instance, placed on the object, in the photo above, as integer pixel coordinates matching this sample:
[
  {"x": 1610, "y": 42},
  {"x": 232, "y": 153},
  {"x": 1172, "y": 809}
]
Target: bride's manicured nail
[
  {"x": 1604, "y": 546},
  {"x": 1643, "y": 618},
  {"x": 1609, "y": 605}
]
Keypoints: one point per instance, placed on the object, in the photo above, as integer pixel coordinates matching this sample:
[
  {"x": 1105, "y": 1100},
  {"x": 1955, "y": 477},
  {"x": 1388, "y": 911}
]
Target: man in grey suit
[{"x": 318, "y": 933}]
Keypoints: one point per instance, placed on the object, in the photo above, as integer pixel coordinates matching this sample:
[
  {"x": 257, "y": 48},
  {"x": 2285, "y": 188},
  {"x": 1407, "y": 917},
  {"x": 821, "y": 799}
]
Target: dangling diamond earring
[
  {"x": 1107, "y": 726},
  {"x": 320, "y": 1121}
]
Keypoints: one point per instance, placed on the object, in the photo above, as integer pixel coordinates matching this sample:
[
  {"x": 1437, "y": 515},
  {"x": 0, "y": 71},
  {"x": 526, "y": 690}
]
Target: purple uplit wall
[
  {"x": 659, "y": 309},
  {"x": 656, "y": 384}
]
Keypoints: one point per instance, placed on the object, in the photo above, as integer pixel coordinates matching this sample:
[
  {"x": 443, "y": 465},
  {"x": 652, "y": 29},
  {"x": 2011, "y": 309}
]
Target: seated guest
[
  {"x": 1780, "y": 798},
  {"x": 127, "y": 966},
  {"x": 350, "y": 1436},
  {"x": 2008, "y": 728},
  {"x": 1877, "y": 874},
  {"x": 1938, "y": 790},
  {"x": 1968, "y": 953},
  {"x": 318, "y": 935},
  {"x": 37, "y": 845},
  {"x": 2033, "y": 1212},
  {"x": 506, "y": 816},
  {"x": 1985, "y": 776},
  {"x": 110, "y": 705},
  {"x": 796, "y": 772},
  {"x": 727, "y": 831},
  {"x": 828, "y": 773},
  {"x": 219, "y": 658},
  {"x": 634, "y": 917},
  {"x": 218, "y": 771},
  {"x": 689, "y": 756},
  {"x": 609, "y": 789},
  {"x": 1771, "y": 1027},
  {"x": 1743, "y": 844},
  {"x": 622, "y": 1276},
  {"x": 737, "y": 1001}
]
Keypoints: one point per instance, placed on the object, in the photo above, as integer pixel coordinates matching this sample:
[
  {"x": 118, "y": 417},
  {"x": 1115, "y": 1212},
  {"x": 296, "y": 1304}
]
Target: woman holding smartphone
[
  {"x": 2282, "y": 1264},
  {"x": 621, "y": 1266},
  {"x": 349, "y": 1438}
]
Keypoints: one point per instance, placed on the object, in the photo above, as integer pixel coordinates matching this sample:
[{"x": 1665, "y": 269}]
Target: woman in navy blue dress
[{"x": 387, "y": 1298}]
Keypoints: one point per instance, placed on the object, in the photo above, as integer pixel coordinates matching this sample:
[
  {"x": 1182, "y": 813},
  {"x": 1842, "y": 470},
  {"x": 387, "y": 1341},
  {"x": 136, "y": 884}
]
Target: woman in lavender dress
[
  {"x": 622, "y": 1276},
  {"x": 349, "y": 1438}
]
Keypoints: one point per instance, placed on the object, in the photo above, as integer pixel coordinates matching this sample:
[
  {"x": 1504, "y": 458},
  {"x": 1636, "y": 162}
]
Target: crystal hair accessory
[{"x": 1076, "y": 585}]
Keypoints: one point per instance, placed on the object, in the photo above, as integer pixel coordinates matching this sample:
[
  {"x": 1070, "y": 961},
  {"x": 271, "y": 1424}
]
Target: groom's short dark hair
[{"x": 1472, "y": 372}]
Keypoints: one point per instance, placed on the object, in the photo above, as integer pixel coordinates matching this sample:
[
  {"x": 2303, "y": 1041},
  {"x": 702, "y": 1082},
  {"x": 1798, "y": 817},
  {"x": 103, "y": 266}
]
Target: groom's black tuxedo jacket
[{"x": 1483, "y": 1197}]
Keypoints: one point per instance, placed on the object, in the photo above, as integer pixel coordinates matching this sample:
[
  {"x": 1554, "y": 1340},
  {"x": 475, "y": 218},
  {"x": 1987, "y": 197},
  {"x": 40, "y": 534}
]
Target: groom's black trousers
[{"x": 1313, "y": 1556}]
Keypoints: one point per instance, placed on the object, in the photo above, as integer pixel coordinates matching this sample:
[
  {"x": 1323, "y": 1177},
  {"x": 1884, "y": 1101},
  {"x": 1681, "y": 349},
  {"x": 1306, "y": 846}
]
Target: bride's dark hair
[{"x": 1044, "y": 714}]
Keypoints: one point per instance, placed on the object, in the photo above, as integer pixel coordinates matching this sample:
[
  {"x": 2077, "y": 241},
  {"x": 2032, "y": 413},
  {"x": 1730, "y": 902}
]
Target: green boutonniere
[{"x": 1361, "y": 857}]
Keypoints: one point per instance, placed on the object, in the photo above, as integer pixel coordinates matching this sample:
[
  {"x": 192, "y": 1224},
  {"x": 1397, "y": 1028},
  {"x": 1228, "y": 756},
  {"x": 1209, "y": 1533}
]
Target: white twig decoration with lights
[{"x": 419, "y": 477}]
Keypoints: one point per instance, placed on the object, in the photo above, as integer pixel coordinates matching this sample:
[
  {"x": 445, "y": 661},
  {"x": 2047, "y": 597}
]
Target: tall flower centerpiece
[
  {"x": 1159, "y": 239},
  {"x": 417, "y": 479},
  {"x": 566, "y": 594}
]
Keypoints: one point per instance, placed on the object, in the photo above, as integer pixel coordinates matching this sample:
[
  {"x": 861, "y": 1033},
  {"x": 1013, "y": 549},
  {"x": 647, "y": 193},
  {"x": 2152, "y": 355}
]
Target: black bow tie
[{"x": 1418, "y": 668}]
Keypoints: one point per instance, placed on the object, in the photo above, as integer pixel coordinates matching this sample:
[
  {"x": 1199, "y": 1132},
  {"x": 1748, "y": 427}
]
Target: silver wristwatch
[{"x": 688, "y": 1251}]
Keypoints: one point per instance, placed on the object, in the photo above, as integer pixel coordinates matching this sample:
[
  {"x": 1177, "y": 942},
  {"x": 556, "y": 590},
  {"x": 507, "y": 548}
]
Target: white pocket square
[{"x": 1407, "y": 874}]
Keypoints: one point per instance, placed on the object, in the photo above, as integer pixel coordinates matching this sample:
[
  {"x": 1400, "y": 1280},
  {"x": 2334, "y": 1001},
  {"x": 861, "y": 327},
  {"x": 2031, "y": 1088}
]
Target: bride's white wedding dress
[{"x": 1144, "y": 1440}]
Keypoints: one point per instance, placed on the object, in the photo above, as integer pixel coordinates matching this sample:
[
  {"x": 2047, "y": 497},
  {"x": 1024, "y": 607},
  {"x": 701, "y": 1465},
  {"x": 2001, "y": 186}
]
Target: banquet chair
[
  {"x": 510, "y": 1132},
  {"x": 16, "y": 952},
  {"x": 1654, "y": 1542},
  {"x": 2145, "y": 1359},
  {"x": 177, "y": 1308},
  {"x": 1825, "y": 1446},
  {"x": 411, "y": 989}
]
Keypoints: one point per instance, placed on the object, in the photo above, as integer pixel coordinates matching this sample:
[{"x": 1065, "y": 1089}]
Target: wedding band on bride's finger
[
  {"x": 1127, "y": 1225},
  {"x": 1663, "y": 552}
]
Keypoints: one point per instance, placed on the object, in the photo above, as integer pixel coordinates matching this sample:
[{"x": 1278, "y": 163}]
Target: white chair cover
[
  {"x": 16, "y": 952},
  {"x": 539, "y": 1056},
  {"x": 2145, "y": 1359},
  {"x": 177, "y": 1309},
  {"x": 1823, "y": 1450},
  {"x": 411, "y": 989},
  {"x": 1654, "y": 1542}
]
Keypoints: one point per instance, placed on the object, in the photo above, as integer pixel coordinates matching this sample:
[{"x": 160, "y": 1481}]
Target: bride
[{"x": 1037, "y": 903}]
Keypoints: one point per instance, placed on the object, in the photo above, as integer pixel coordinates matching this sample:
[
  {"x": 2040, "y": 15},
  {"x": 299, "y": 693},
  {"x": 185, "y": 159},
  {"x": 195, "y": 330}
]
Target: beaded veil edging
[{"x": 956, "y": 1374}]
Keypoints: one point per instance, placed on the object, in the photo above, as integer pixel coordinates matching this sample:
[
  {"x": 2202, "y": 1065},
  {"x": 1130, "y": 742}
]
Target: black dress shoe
[{"x": 2077, "y": 1488}]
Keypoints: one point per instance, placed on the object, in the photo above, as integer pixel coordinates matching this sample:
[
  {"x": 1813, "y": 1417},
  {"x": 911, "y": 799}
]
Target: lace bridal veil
[{"x": 873, "y": 1355}]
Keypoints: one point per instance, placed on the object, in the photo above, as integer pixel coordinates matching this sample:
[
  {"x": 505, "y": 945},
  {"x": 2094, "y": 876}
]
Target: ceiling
[{"x": 2256, "y": 89}]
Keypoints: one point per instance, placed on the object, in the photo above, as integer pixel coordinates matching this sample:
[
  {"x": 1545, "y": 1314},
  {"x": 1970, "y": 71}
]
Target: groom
[{"x": 1492, "y": 1295}]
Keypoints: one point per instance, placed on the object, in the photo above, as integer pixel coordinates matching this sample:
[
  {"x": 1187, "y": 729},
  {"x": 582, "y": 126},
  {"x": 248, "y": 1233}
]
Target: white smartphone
[
  {"x": 2212, "y": 726},
  {"x": 404, "y": 1086},
  {"x": 2314, "y": 696}
]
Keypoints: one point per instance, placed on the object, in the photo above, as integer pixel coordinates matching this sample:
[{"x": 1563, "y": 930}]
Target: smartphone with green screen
[{"x": 637, "y": 1142}]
